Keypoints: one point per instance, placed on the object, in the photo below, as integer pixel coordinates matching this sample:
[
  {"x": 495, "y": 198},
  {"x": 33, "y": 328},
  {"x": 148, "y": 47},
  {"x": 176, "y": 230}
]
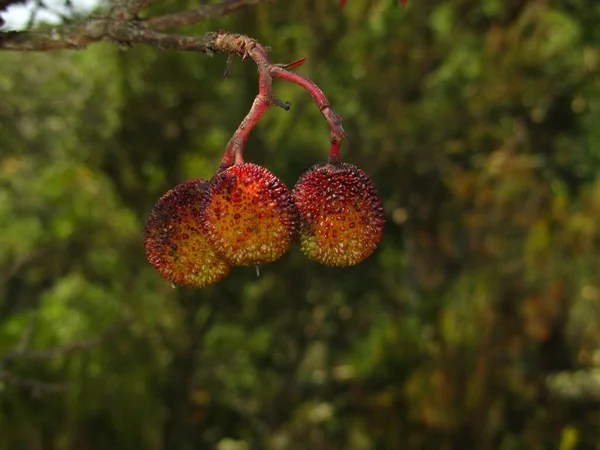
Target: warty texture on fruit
[
  {"x": 249, "y": 216},
  {"x": 340, "y": 212},
  {"x": 175, "y": 243}
]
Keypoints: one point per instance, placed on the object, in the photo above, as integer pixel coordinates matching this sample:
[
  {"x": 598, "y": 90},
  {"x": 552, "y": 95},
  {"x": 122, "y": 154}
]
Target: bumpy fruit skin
[
  {"x": 249, "y": 216},
  {"x": 341, "y": 214},
  {"x": 174, "y": 242}
]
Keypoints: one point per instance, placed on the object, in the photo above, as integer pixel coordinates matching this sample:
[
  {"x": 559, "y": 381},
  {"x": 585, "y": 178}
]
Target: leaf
[{"x": 294, "y": 64}]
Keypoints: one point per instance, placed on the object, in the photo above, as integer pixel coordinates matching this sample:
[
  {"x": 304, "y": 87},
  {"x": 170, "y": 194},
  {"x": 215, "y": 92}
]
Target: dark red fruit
[
  {"x": 248, "y": 215},
  {"x": 175, "y": 243},
  {"x": 341, "y": 214}
]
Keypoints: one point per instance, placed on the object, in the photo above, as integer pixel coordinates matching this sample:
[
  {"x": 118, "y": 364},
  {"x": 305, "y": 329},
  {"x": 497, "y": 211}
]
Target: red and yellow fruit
[
  {"x": 175, "y": 243},
  {"x": 248, "y": 215},
  {"x": 341, "y": 216}
]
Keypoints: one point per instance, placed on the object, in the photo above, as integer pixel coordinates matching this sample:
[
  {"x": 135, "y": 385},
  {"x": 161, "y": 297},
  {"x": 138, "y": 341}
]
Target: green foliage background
[{"x": 475, "y": 325}]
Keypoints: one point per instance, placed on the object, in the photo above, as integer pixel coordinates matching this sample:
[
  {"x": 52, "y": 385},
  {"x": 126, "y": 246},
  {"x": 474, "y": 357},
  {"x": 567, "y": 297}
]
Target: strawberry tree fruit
[
  {"x": 249, "y": 216},
  {"x": 174, "y": 240},
  {"x": 341, "y": 216}
]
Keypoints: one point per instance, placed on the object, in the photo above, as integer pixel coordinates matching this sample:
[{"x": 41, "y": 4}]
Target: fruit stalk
[
  {"x": 245, "y": 46},
  {"x": 334, "y": 120}
]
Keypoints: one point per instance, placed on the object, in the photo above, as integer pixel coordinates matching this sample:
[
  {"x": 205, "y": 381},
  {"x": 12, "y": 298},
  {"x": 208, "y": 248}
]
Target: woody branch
[{"x": 123, "y": 26}]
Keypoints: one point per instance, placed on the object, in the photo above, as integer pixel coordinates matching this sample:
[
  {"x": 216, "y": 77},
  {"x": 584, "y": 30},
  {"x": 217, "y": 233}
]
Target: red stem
[
  {"x": 334, "y": 120},
  {"x": 234, "y": 153},
  {"x": 334, "y": 153},
  {"x": 245, "y": 46}
]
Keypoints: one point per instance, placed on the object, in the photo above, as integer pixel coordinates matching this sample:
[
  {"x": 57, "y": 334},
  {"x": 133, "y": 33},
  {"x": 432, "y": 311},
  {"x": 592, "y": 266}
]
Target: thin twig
[
  {"x": 202, "y": 13},
  {"x": 334, "y": 120},
  {"x": 33, "y": 15},
  {"x": 123, "y": 26}
]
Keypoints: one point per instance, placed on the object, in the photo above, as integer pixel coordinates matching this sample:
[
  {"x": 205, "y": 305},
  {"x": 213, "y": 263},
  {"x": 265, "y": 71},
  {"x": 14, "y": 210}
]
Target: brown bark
[{"x": 123, "y": 27}]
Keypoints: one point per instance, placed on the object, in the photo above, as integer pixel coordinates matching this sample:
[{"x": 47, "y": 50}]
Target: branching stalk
[{"x": 245, "y": 46}]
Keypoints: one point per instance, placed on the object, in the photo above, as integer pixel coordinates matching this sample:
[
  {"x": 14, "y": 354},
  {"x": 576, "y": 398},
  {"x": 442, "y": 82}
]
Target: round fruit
[
  {"x": 341, "y": 214},
  {"x": 174, "y": 242},
  {"x": 249, "y": 216}
]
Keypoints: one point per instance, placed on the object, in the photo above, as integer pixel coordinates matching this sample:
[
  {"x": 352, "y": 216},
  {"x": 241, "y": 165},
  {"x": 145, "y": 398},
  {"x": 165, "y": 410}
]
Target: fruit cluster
[{"x": 246, "y": 216}]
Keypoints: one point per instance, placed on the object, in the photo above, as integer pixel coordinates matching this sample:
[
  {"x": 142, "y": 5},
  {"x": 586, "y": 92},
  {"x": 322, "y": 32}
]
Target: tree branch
[
  {"x": 97, "y": 30},
  {"x": 122, "y": 26},
  {"x": 202, "y": 13}
]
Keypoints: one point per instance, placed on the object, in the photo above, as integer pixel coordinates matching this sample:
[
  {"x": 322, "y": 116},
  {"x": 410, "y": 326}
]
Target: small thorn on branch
[
  {"x": 228, "y": 64},
  {"x": 294, "y": 64},
  {"x": 281, "y": 104}
]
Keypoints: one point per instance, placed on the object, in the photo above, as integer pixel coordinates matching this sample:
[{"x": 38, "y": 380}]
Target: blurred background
[{"x": 476, "y": 323}]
